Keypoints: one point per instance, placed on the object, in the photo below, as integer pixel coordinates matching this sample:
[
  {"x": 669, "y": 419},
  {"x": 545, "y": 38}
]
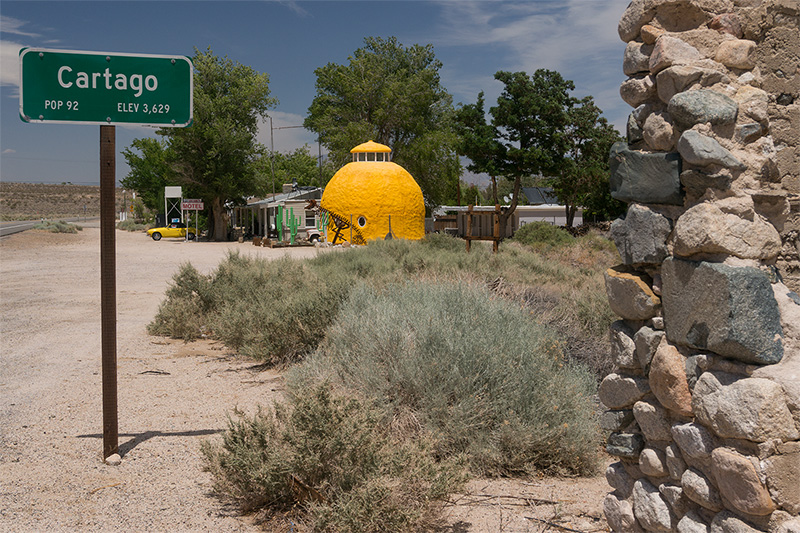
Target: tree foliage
[
  {"x": 216, "y": 158},
  {"x": 526, "y": 133},
  {"x": 390, "y": 94},
  {"x": 150, "y": 171},
  {"x": 583, "y": 175},
  {"x": 297, "y": 165},
  {"x": 538, "y": 128}
]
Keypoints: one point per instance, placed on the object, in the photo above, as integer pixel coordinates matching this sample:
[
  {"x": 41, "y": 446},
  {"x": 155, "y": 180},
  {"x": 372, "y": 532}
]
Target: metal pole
[
  {"x": 108, "y": 290},
  {"x": 272, "y": 157}
]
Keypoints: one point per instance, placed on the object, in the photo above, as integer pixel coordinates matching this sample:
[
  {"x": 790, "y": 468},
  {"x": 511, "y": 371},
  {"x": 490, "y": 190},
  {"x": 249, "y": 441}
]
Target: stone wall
[{"x": 704, "y": 407}]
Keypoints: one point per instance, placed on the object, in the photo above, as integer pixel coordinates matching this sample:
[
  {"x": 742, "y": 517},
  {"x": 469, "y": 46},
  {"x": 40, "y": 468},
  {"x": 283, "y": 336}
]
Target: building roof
[
  {"x": 540, "y": 195},
  {"x": 370, "y": 146},
  {"x": 302, "y": 193}
]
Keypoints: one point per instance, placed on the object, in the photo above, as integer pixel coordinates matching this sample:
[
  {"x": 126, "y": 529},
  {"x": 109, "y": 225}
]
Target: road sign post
[{"x": 64, "y": 86}]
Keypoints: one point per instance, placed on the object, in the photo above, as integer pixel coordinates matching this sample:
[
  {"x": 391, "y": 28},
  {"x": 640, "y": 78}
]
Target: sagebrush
[
  {"x": 58, "y": 226},
  {"x": 331, "y": 463},
  {"x": 470, "y": 368},
  {"x": 278, "y": 311}
]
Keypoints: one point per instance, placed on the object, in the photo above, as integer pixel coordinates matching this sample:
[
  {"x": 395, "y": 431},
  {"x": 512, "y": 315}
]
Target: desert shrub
[
  {"x": 279, "y": 310},
  {"x": 273, "y": 311},
  {"x": 184, "y": 312},
  {"x": 130, "y": 225},
  {"x": 542, "y": 234},
  {"x": 333, "y": 458},
  {"x": 471, "y": 369},
  {"x": 58, "y": 227}
]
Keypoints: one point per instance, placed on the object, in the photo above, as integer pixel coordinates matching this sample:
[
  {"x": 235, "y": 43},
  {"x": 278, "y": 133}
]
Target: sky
[{"x": 288, "y": 40}]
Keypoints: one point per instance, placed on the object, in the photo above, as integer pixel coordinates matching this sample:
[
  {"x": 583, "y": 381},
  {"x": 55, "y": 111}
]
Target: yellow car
[{"x": 176, "y": 229}]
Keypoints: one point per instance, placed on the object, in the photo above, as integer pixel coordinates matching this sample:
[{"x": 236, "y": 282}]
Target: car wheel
[
  {"x": 156, "y": 236},
  {"x": 191, "y": 236}
]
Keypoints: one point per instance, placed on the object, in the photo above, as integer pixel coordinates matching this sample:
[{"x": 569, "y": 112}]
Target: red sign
[{"x": 192, "y": 205}]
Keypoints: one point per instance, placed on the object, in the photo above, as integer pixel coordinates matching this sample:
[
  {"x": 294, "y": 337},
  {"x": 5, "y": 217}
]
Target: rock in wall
[{"x": 704, "y": 407}]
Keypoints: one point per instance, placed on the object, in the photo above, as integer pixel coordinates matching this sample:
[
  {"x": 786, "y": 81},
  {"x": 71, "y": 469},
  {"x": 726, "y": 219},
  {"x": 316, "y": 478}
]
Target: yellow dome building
[{"x": 373, "y": 198}]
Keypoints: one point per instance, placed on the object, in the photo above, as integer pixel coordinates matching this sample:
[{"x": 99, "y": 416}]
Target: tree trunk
[
  {"x": 219, "y": 219},
  {"x": 570, "y": 215}
]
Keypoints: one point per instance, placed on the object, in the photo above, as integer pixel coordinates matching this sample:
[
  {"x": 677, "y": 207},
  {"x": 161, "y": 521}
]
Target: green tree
[
  {"x": 150, "y": 170},
  {"x": 526, "y": 135},
  {"x": 390, "y": 94},
  {"x": 297, "y": 165},
  {"x": 584, "y": 173},
  {"x": 217, "y": 157}
]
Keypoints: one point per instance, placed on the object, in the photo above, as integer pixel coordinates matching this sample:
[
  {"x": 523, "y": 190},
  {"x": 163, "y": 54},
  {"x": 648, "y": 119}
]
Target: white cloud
[
  {"x": 9, "y": 64},
  {"x": 9, "y": 151},
  {"x": 286, "y": 134},
  {"x": 577, "y": 38},
  {"x": 13, "y": 26}
]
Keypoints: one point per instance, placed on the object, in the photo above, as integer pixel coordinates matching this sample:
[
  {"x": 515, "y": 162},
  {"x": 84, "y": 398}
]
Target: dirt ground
[{"x": 172, "y": 396}]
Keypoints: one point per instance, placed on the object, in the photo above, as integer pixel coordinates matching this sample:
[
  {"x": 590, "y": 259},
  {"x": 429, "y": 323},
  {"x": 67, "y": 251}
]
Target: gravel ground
[{"x": 172, "y": 396}]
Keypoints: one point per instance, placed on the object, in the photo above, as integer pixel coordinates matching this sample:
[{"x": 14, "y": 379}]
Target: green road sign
[{"x": 105, "y": 88}]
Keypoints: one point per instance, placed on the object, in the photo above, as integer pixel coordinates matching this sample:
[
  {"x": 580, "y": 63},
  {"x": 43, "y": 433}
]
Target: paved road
[{"x": 9, "y": 228}]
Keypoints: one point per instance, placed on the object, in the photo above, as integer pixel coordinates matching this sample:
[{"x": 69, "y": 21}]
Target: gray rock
[
  {"x": 652, "y": 419},
  {"x": 700, "y": 490},
  {"x": 652, "y": 462},
  {"x": 630, "y": 294},
  {"x": 697, "y": 182},
  {"x": 727, "y": 522},
  {"x": 673, "y": 494},
  {"x": 692, "y": 523},
  {"x": 749, "y": 132},
  {"x": 698, "y": 149},
  {"x": 659, "y": 132},
  {"x": 636, "y": 58},
  {"x": 641, "y": 237},
  {"x": 790, "y": 526},
  {"x": 626, "y": 445},
  {"x": 675, "y": 463},
  {"x": 693, "y": 369},
  {"x": 674, "y": 80},
  {"x": 728, "y": 310},
  {"x": 616, "y": 419},
  {"x": 646, "y": 341},
  {"x": 703, "y": 105},
  {"x": 743, "y": 408},
  {"x": 634, "y": 130},
  {"x": 648, "y": 178},
  {"x": 619, "y": 514},
  {"x": 638, "y": 90},
  {"x": 619, "y": 392},
  {"x": 649, "y": 507},
  {"x": 711, "y": 228},
  {"x": 620, "y": 480},
  {"x": 623, "y": 350},
  {"x": 693, "y": 440}
]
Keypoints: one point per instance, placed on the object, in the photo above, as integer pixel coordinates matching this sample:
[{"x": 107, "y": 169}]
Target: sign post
[
  {"x": 197, "y": 206},
  {"x": 64, "y": 86}
]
